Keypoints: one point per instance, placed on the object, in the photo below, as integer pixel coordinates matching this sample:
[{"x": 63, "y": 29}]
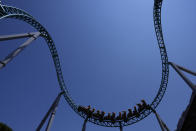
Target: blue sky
[{"x": 109, "y": 56}]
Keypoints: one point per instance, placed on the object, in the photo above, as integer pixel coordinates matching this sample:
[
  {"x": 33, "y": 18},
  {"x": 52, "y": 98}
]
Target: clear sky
[{"x": 109, "y": 56}]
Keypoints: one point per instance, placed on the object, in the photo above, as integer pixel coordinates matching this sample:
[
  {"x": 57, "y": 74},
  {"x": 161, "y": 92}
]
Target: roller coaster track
[{"x": 15, "y": 13}]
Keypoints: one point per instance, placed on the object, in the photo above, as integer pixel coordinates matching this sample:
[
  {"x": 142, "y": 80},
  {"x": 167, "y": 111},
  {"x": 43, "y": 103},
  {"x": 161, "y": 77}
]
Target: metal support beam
[
  {"x": 50, "y": 112},
  {"x": 178, "y": 69},
  {"x": 163, "y": 126},
  {"x": 84, "y": 124},
  {"x": 121, "y": 128},
  {"x": 17, "y": 36},
  {"x": 15, "y": 52}
]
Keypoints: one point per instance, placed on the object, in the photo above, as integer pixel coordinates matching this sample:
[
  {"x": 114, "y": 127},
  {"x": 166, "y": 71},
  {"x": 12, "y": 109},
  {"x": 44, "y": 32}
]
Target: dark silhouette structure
[
  {"x": 4, "y": 127},
  {"x": 188, "y": 118}
]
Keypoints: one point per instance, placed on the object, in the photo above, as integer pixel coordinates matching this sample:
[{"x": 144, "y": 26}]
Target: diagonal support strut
[
  {"x": 33, "y": 36},
  {"x": 50, "y": 112},
  {"x": 163, "y": 126},
  {"x": 179, "y": 70}
]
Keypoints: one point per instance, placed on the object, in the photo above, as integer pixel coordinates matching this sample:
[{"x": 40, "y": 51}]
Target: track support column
[
  {"x": 50, "y": 112},
  {"x": 84, "y": 124},
  {"x": 121, "y": 128},
  {"x": 163, "y": 126}
]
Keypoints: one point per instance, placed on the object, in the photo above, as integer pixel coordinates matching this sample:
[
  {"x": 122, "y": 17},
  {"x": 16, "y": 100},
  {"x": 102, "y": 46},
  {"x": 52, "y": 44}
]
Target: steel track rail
[{"x": 15, "y": 13}]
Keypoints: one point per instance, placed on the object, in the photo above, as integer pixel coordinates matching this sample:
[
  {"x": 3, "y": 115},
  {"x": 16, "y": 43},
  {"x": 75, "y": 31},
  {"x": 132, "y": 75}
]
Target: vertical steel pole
[
  {"x": 84, "y": 124},
  {"x": 121, "y": 128}
]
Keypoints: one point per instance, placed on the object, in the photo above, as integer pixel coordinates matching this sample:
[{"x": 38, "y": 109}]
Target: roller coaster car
[{"x": 135, "y": 112}]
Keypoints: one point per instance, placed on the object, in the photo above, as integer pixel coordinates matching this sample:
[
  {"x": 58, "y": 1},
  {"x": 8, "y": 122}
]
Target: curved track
[{"x": 12, "y": 12}]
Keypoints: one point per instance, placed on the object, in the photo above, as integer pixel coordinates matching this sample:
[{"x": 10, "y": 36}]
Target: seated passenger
[
  {"x": 140, "y": 107},
  {"x": 119, "y": 117},
  {"x": 89, "y": 107},
  {"x": 102, "y": 114},
  {"x": 101, "y": 117},
  {"x": 97, "y": 114},
  {"x": 130, "y": 114},
  {"x": 108, "y": 117},
  {"x": 113, "y": 117},
  {"x": 81, "y": 108},
  {"x": 135, "y": 112},
  {"x": 90, "y": 112},
  {"x": 87, "y": 110},
  {"x": 93, "y": 110},
  {"x": 144, "y": 103},
  {"x": 124, "y": 116}
]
